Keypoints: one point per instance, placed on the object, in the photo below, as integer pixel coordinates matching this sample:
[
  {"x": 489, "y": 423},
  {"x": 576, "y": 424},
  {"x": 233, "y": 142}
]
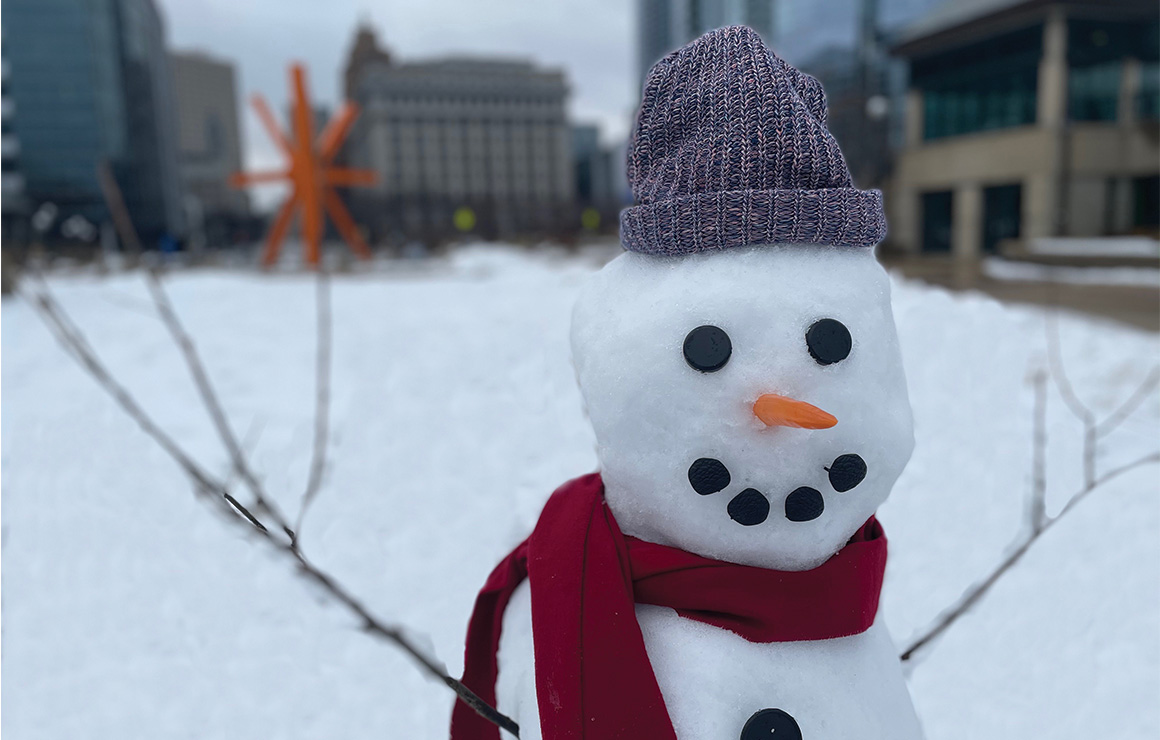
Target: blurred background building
[
  {"x": 664, "y": 25},
  {"x": 987, "y": 123},
  {"x": 12, "y": 201},
  {"x": 209, "y": 147},
  {"x": 468, "y": 145},
  {"x": 599, "y": 175},
  {"x": 88, "y": 84},
  {"x": 1028, "y": 119},
  {"x": 862, "y": 88}
]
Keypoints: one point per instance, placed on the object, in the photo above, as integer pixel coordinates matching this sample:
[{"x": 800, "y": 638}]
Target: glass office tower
[{"x": 89, "y": 83}]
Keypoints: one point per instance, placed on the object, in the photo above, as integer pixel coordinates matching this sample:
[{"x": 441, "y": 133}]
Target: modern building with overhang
[{"x": 1027, "y": 119}]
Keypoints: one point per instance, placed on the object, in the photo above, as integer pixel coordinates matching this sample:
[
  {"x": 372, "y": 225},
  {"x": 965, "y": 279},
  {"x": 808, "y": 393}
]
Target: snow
[
  {"x": 1002, "y": 269},
  {"x": 1104, "y": 246},
  {"x": 130, "y": 611}
]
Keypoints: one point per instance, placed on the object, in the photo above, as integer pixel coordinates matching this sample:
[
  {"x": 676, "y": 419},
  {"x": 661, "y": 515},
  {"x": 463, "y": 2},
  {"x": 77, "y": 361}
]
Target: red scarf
[{"x": 593, "y": 677}]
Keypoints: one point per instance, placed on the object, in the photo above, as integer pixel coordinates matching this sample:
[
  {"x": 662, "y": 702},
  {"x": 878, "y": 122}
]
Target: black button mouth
[
  {"x": 846, "y": 472},
  {"x": 708, "y": 476},
  {"x": 749, "y": 507},
  {"x": 804, "y": 504}
]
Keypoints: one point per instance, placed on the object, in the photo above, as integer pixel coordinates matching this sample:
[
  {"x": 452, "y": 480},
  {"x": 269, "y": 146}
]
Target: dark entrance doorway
[
  {"x": 1002, "y": 214},
  {"x": 937, "y": 221}
]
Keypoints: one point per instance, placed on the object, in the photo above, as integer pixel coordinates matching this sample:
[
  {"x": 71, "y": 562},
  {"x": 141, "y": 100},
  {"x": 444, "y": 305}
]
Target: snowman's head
[{"x": 749, "y": 404}]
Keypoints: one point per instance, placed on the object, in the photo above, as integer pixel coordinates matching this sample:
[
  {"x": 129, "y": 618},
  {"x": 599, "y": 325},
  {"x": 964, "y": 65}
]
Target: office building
[
  {"x": 664, "y": 25},
  {"x": 12, "y": 200},
  {"x": 1028, "y": 119},
  {"x": 209, "y": 145},
  {"x": 594, "y": 165},
  {"x": 461, "y": 145},
  {"x": 89, "y": 83}
]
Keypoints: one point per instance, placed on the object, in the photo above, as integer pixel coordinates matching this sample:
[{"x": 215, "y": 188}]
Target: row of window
[
  {"x": 1003, "y": 213},
  {"x": 1002, "y": 217},
  {"x": 993, "y": 84},
  {"x": 392, "y": 101}
]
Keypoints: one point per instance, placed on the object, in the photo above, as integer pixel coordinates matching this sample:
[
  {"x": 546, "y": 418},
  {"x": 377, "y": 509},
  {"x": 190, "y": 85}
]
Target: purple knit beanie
[{"x": 730, "y": 149}]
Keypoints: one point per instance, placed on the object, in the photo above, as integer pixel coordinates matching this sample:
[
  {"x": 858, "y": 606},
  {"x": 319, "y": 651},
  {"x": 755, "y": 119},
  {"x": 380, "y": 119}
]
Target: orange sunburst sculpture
[{"x": 311, "y": 173}]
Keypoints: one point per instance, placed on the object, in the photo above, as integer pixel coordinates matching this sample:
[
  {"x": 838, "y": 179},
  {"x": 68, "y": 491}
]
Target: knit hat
[{"x": 730, "y": 148}]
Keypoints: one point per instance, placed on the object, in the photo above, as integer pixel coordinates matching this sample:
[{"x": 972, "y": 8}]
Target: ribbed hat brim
[{"x": 842, "y": 217}]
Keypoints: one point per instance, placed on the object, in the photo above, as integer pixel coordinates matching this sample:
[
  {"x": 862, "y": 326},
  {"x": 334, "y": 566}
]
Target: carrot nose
[{"x": 780, "y": 411}]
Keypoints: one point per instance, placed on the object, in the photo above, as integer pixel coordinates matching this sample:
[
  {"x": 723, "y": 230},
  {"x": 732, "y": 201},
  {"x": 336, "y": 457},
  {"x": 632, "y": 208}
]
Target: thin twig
[
  {"x": 977, "y": 591},
  {"x": 1040, "y": 522},
  {"x": 210, "y": 400},
  {"x": 1059, "y": 372},
  {"x": 1071, "y": 399},
  {"x": 77, "y": 346},
  {"x": 253, "y": 434},
  {"x": 1128, "y": 407},
  {"x": 1038, "y": 514},
  {"x": 321, "y": 397},
  {"x": 1114, "y": 473}
]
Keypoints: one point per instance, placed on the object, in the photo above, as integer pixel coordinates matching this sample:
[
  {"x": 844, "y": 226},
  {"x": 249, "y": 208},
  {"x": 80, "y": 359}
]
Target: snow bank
[{"x": 130, "y": 612}]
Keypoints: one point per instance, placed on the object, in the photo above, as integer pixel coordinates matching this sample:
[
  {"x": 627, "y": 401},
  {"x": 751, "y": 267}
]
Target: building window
[
  {"x": 1002, "y": 214},
  {"x": 1146, "y": 198},
  {"x": 1095, "y": 53},
  {"x": 1148, "y": 98},
  {"x": 985, "y": 86},
  {"x": 1094, "y": 92},
  {"x": 937, "y": 221}
]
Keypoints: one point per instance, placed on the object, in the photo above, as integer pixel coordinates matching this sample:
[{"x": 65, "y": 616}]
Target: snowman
[{"x": 719, "y": 577}]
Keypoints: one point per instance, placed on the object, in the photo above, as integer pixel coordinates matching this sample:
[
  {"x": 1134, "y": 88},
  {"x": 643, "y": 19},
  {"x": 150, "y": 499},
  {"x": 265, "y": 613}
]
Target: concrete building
[
  {"x": 14, "y": 224},
  {"x": 209, "y": 145},
  {"x": 90, "y": 83},
  {"x": 461, "y": 145},
  {"x": 364, "y": 51},
  {"x": 664, "y": 25},
  {"x": 1028, "y": 119},
  {"x": 596, "y": 183}
]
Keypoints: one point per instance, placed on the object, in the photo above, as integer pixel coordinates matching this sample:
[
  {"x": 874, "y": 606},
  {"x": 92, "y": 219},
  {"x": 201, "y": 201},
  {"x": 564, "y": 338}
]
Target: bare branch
[
  {"x": 321, "y": 396},
  {"x": 210, "y": 399},
  {"x": 1129, "y": 406},
  {"x": 1038, "y": 512},
  {"x": 972, "y": 595},
  {"x": 244, "y": 512},
  {"x": 248, "y": 443},
  {"x": 1059, "y": 373},
  {"x": 1071, "y": 400},
  {"x": 1115, "y": 473},
  {"x": 76, "y": 345}
]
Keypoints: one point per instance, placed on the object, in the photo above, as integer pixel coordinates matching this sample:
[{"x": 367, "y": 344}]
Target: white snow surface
[
  {"x": 1104, "y": 246},
  {"x": 1003, "y": 269},
  {"x": 131, "y": 611}
]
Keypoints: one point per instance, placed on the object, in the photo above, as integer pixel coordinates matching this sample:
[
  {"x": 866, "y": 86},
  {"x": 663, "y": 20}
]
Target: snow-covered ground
[
  {"x": 1004, "y": 269},
  {"x": 1104, "y": 246},
  {"x": 130, "y": 611}
]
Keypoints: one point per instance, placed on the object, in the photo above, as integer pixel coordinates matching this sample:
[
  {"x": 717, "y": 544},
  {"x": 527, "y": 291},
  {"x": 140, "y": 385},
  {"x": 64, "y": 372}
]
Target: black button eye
[
  {"x": 829, "y": 341},
  {"x": 707, "y": 349},
  {"x": 846, "y": 472}
]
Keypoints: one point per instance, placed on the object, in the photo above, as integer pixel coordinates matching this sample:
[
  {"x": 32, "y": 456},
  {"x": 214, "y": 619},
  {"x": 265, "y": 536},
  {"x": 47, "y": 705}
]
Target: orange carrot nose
[{"x": 780, "y": 411}]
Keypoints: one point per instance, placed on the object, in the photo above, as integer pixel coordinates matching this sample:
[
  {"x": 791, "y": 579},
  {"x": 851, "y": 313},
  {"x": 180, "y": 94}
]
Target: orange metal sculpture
[{"x": 311, "y": 173}]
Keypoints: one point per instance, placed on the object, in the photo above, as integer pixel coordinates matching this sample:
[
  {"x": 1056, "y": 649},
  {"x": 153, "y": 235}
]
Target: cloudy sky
[{"x": 592, "y": 40}]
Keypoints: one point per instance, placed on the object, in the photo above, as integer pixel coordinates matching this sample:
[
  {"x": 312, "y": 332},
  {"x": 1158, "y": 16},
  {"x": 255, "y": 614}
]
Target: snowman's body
[
  {"x": 667, "y": 407},
  {"x": 713, "y": 681}
]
